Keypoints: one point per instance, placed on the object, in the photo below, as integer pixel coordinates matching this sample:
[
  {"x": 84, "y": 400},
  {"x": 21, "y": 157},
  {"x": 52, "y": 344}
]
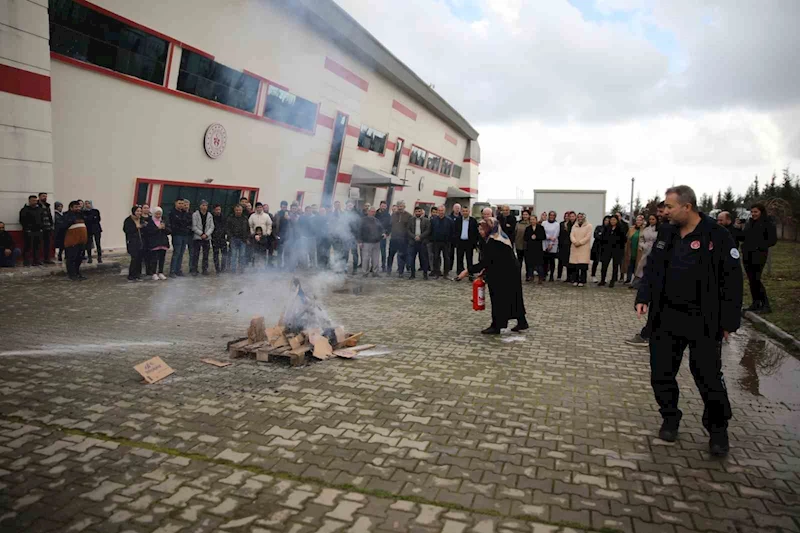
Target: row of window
[
  {"x": 81, "y": 33},
  {"x": 430, "y": 161}
]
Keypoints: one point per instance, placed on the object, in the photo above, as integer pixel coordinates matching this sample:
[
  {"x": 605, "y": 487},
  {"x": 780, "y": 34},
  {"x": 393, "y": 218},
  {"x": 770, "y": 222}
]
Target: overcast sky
[{"x": 585, "y": 94}]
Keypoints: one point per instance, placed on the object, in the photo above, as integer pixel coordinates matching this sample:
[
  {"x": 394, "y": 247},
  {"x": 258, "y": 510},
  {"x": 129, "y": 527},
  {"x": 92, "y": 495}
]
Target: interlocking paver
[{"x": 558, "y": 426}]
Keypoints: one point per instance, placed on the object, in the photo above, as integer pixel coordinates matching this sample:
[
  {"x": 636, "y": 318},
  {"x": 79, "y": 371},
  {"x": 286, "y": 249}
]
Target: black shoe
[
  {"x": 425, "y": 276},
  {"x": 179, "y": 274},
  {"x": 412, "y": 276},
  {"x": 611, "y": 285},
  {"x": 49, "y": 262},
  {"x": 37, "y": 263},
  {"x": 471, "y": 278},
  {"x": 26, "y": 263},
  {"x": 194, "y": 274},
  {"x": 764, "y": 309},
  {"x": 82, "y": 277},
  {"x": 99, "y": 260},
  {"x": 89, "y": 261},
  {"x": 754, "y": 307},
  {"x": 521, "y": 326},
  {"x": 602, "y": 284},
  {"x": 491, "y": 330},
  {"x": 718, "y": 445},
  {"x": 205, "y": 272},
  {"x": 668, "y": 431},
  {"x": 400, "y": 275},
  {"x": 173, "y": 275}
]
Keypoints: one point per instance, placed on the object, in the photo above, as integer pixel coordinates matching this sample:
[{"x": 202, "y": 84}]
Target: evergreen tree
[
  {"x": 706, "y": 203},
  {"x": 787, "y": 189},
  {"x": 637, "y": 206},
  {"x": 652, "y": 205},
  {"x": 718, "y": 203},
  {"x": 617, "y": 207},
  {"x": 770, "y": 191},
  {"x": 756, "y": 192},
  {"x": 729, "y": 202}
]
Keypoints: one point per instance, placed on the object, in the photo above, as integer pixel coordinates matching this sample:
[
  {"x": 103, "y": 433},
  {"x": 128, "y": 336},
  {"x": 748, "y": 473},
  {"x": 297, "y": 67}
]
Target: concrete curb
[
  {"x": 775, "y": 330},
  {"x": 55, "y": 270}
]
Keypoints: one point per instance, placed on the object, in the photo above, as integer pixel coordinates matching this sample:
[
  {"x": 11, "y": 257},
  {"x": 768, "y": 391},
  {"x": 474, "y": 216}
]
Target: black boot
[
  {"x": 521, "y": 325},
  {"x": 668, "y": 431},
  {"x": 718, "y": 445},
  {"x": 491, "y": 330}
]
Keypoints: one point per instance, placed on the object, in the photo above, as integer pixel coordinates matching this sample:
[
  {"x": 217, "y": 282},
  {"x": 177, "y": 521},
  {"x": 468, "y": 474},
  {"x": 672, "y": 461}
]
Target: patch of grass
[{"x": 782, "y": 280}]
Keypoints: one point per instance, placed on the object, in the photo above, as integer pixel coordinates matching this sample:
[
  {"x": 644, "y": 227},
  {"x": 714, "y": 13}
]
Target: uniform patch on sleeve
[
  {"x": 661, "y": 245},
  {"x": 734, "y": 253}
]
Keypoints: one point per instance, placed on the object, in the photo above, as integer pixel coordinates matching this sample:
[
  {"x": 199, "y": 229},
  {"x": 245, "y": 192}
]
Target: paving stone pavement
[{"x": 553, "y": 430}]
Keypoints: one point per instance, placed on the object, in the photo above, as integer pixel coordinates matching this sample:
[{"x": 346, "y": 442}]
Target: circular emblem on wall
[
  {"x": 215, "y": 140},
  {"x": 421, "y": 183}
]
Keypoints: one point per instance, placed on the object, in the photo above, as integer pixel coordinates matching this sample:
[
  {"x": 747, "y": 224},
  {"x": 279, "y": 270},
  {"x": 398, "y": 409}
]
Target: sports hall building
[{"x": 123, "y": 102}]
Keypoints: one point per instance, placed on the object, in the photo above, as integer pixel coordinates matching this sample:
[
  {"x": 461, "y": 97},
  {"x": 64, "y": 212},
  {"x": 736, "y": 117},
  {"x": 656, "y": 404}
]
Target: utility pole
[{"x": 633, "y": 180}]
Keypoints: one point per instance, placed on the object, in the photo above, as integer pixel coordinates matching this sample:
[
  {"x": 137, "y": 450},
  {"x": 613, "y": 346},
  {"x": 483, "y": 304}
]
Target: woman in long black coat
[
  {"x": 597, "y": 246},
  {"x": 501, "y": 272},
  {"x": 534, "y": 250},
  {"x": 614, "y": 240},
  {"x": 564, "y": 245},
  {"x": 759, "y": 236}
]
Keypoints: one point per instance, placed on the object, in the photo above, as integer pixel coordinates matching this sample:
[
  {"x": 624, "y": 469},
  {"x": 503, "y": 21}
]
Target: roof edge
[{"x": 346, "y": 32}]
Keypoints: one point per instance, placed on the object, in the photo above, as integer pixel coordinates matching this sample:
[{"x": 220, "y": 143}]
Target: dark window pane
[
  {"x": 457, "y": 171},
  {"x": 433, "y": 162},
  {"x": 372, "y": 139},
  {"x": 213, "y": 81},
  {"x": 447, "y": 167},
  {"x": 80, "y": 33},
  {"x": 141, "y": 193},
  {"x": 287, "y": 108},
  {"x": 417, "y": 156}
]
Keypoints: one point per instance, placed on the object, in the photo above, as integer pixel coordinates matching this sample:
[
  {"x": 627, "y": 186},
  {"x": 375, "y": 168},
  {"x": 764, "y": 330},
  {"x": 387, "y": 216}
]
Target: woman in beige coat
[
  {"x": 580, "y": 249},
  {"x": 647, "y": 239}
]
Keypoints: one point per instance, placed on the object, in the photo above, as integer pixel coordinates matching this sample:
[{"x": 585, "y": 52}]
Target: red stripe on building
[
  {"x": 450, "y": 138},
  {"x": 325, "y": 120},
  {"x": 315, "y": 173},
  {"x": 343, "y": 178},
  {"x": 398, "y": 188},
  {"x": 406, "y": 151},
  {"x": 24, "y": 83},
  {"x": 442, "y": 194},
  {"x": 468, "y": 160},
  {"x": 404, "y": 110},
  {"x": 346, "y": 74},
  {"x": 390, "y": 145},
  {"x": 467, "y": 189},
  {"x": 353, "y": 131}
]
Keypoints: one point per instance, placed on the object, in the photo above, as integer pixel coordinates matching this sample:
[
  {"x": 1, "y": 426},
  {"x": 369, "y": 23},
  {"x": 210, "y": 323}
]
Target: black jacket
[
  {"x": 6, "y": 242},
  {"x": 565, "y": 228},
  {"x": 218, "y": 238},
  {"x": 508, "y": 225},
  {"x": 30, "y": 218},
  {"x": 154, "y": 236},
  {"x": 736, "y": 233},
  {"x": 759, "y": 237},
  {"x": 613, "y": 242},
  {"x": 180, "y": 223},
  {"x": 721, "y": 294},
  {"x": 385, "y": 218},
  {"x": 47, "y": 216},
  {"x": 134, "y": 240},
  {"x": 371, "y": 230},
  {"x": 91, "y": 217},
  {"x": 534, "y": 249},
  {"x": 472, "y": 231},
  {"x": 441, "y": 229},
  {"x": 599, "y": 241},
  {"x": 237, "y": 228},
  {"x": 58, "y": 229}
]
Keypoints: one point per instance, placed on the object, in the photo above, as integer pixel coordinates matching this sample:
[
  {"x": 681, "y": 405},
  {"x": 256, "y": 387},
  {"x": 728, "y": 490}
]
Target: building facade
[{"x": 127, "y": 103}]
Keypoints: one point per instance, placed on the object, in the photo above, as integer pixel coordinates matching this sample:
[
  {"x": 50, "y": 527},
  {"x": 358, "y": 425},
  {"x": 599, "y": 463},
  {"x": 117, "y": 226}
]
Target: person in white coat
[{"x": 552, "y": 230}]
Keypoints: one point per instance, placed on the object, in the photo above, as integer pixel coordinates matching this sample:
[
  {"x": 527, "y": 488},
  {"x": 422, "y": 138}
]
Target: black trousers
[
  {"x": 579, "y": 272},
  {"x": 549, "y": 264},
  {"x": 441, "y": 249},
  {"x": 417, "y": 247},
  {"x": 73, "y": 256},
  {"x": 155, "y": 261},
  {"x": 135, "y": 268},
  {"x": 96, "y": 238},
  {"x": 47, "y": 237},
  {"x": 398, "y": 246},
  {"x": 194, "y": 258},
  {"x": 220, "y": 257},
  {"x": 522, "y": 261},
  {"x": 615, "y": 258},
  {"x": 758, "y": 292},
  {"x": 675, "y": 332},
  {"x": 595, "y": 264},
  {"x": 323, "y": 253},
  {"x": 31, "y": 243},
  {"x": 464, "y": 249}
]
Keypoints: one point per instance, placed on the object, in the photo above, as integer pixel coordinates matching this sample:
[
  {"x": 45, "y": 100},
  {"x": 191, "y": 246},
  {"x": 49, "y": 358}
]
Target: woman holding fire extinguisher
[{"x": 499, "y": 267}]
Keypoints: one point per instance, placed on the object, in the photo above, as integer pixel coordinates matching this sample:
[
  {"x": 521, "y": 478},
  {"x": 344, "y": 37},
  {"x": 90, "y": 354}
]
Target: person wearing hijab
[
  {"x": 534, "y": 252},
  {"x": 613, "y": 251},
  {"x": 597, "y": 247},
  {"x": 499, "y": 267},
  {"x": 156, "y": 243},
  {"x": 552, "y": 231},
  {"x": 134, "y": 242}
]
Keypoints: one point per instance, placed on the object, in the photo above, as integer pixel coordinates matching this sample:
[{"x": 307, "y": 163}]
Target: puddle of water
[
  {"x": 373, "y": 352},
  {"x": 764, "y": 368}
]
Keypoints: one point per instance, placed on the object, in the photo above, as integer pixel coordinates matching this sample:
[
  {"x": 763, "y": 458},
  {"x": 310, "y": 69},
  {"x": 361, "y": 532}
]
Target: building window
[
  {"x": 213, "y": 81},
  {"x": 456, "y": 171},
  {"x": 433, "y": 162},
  {"x": 417, "y": 156},
  {"x": 290, "y": 109},
  {"x": 372, "y": 139},
  {"x": 78, "y": 32},
  {"x": 447, "y": 167}
]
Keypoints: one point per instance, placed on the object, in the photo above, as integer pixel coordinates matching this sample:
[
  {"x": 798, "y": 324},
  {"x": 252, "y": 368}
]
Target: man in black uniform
[{"x": 693, "y": 282}]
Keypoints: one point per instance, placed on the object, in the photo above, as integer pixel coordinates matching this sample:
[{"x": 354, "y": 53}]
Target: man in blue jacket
[{"x": 693, "y": 283}]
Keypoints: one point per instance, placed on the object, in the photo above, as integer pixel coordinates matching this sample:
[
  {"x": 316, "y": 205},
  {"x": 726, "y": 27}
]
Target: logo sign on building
[{"x": 215, "y": 140}]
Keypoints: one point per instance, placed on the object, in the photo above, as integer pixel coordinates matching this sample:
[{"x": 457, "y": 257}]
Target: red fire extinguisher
[{"x": 478, "y": 294}]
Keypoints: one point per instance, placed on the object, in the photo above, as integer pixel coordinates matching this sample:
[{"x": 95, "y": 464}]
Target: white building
[{"x": 126, "y": 103}]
